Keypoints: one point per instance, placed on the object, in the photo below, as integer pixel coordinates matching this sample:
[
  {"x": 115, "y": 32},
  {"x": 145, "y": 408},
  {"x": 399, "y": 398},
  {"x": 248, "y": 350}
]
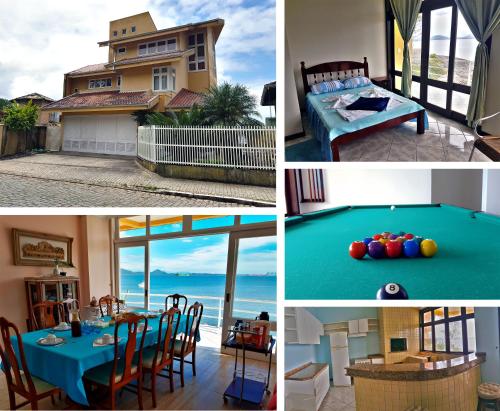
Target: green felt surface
[{"x": 466, "y": 266}]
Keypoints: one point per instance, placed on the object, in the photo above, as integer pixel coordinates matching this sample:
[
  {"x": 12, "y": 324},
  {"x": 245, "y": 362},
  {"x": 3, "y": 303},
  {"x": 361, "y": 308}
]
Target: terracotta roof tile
[
  {"x": 185, "y": 99},
  {"x": 92, "y": 68},
  {"x": 33, "y": 96},
  {"x": 102, "y": 99}
]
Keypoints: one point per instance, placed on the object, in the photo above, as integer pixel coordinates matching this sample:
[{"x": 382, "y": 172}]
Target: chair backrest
[
  {"x": 192, "y": 326},
  {"x": 43, "y": 314},
  {"x": 132, "y": 321},
  {"x": 107, "y": 302},
  {"x": 69, "y": 305},
  {"x": 13, "y": 365},
  {"x": 176, "y": 300},
  {"x": 169, "y": 323}
]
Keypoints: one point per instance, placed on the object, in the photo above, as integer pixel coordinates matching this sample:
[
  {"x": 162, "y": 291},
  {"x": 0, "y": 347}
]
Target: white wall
[
  {"x": 493, "y": 88},
  {"x": 458, "y": 187},
  {"x": 488, "y": 341},
  {"x": 293, "y": 121},
  {"x": 491, "y": 192},
  {"x": 373, "y": 187},
  {"x": 328, "y": 30}
]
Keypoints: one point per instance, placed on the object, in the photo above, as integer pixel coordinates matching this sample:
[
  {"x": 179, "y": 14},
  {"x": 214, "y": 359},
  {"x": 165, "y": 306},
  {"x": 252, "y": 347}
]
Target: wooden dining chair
[
  {"x": 176, "y": 300},
  {"x": 161, "y": 356},
  {"x": 43, "y": 314},
  {"x": 115, "y": 375},
  {"x": 19, "y": 379},
  {"x": 187, "y": 343},
  {"x": 107, "y": 302}
]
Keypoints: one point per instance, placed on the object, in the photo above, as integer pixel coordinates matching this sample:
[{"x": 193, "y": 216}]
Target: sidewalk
[{"x": 125, "y": 172}]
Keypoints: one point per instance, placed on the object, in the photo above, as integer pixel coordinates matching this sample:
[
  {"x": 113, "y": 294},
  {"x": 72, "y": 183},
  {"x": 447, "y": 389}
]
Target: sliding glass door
[
  {"x": 443, "y": 50},
  {"x": 132, "y": 264}
]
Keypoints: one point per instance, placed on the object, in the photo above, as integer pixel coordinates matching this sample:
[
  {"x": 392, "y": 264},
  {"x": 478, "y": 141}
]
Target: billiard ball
[
  {"x": 408, "y": 236},
  {"x": 393, "y": 208},
  {"x": 357, "y": 250},
  {"x": 393, "y": 249},
  {"x": 383, "y": 240},
  {"x": 401, "y": 239},
  {"x": 377, "y": 236},
  {"x": 386, "y": 234},
  {"x": 418, "y": 239},
  {"x": 367, "y": 240},
  {"x": 392, "y": 291},
  {"x": 411, "y": 248},
  {"x": 428, "y": 247},
  {"x": 376, "y": 249},
  {"x": 401, "y": 233},
  {"x": 393, "y": 236}
]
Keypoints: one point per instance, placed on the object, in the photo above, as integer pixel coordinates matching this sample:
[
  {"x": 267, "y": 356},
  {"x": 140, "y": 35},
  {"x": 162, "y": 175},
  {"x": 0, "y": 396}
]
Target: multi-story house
[{"x": 147, "y": 69}]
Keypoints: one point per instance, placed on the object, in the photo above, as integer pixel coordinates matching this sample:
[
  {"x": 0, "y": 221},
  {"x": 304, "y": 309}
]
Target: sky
[
  {"x": 41, "y": 40},
  {"x": 203, "y": 254}
]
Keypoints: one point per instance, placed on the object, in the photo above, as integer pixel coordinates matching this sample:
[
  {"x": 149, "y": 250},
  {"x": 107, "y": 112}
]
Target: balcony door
[
  {"x": 133, "y": 268},
  {"x": 443, "y": 51}
]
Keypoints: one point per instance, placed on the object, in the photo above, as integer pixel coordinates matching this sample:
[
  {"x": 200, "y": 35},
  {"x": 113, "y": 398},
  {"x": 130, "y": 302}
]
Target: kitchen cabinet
[
  {"x": 301, "y": 327},
  {"x": 306, "y": 387}
]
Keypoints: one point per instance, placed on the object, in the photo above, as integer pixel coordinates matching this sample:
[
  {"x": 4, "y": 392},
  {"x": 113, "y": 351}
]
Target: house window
[
  {"x": 122, "y": 50},
  {"x": 197, "y": 60},
  {"x": 124, "y": 31},
  {"x": 133, "y": 29},
  {"x": 448, "y": 329},
  {"x": 115, "y": 33},
  {"x": 119, "y": 81},
  {"x": 101, "y": 83},
  {"x": 164, "y": 79},
  {"x": 158, "y": 47}
]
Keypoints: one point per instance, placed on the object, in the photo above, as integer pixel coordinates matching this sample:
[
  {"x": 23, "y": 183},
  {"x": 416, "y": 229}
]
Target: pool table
[{"x": 466, "y": 266}]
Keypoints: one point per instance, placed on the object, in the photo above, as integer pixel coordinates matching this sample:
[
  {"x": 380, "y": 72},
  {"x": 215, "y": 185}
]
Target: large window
[
  {"x": 164, "y": 78},
  {"x": 160, "y": 46},
  {"x": 447, "y": 329},
  {"x": 442, "y": 50},
  {"x": 197, "y": 60}
]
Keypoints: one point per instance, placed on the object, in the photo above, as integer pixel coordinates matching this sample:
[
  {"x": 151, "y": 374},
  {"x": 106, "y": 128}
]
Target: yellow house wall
[
  {"x": 82, "y": 83},
  {"x": 398, "y": 323},
  {"x": 211, "y": 58},
  {"x": 132, "y": 48}
]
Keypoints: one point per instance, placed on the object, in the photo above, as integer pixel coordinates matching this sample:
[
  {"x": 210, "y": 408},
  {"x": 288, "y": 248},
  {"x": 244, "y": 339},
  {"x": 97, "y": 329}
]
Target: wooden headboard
[{"x": 334, "y": 70}]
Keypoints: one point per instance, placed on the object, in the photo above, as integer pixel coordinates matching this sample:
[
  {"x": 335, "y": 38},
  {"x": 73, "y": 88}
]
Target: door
[
  {"x": 105, "y": 134},
  {"x": 132, "y": 270},
  {"x": 251, "y": 279}
]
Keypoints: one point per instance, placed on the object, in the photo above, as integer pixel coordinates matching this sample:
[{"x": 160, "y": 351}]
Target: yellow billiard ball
[
  {"x": 383, "y": 240},
  {"x": 428, "y": 247}
]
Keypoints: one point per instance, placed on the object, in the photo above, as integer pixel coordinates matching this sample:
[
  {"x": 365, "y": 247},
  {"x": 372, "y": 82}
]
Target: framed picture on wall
[{"x": 40, "y": 249}]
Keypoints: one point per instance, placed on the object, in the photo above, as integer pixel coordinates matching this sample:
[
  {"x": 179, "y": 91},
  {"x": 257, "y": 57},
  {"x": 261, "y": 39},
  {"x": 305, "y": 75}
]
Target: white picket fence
[{"x": 238, "y": 147}]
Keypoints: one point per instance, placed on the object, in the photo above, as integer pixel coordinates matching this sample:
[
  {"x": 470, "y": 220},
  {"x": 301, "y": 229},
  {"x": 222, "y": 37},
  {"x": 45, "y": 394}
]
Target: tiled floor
[
  {"x": 445, "y": 140},
  {"x": 339, "y": 399}
]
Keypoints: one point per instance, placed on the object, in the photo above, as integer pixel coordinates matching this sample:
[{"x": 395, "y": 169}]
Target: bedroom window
[
  {"x": 442, "y": 50},
  {"x": 448, "y": 329},
  {"x": 197, "y": 60}
]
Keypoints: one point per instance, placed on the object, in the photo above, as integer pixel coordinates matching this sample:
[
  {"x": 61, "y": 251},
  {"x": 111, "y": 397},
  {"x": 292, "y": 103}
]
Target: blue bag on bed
[{"x": 369, "y": 103}]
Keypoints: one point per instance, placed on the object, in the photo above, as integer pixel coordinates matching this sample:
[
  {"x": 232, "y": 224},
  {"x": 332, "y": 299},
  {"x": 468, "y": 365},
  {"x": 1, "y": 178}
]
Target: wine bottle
[{"x": 76, "y": 325}]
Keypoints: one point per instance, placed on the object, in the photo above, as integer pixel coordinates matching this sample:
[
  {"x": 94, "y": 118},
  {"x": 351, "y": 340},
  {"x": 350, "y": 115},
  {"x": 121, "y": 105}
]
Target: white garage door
[{"x": 106, "y": 134}]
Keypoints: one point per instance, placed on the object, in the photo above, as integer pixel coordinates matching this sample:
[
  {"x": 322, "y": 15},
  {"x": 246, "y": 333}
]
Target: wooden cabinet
[
  {"x": 354, "y": 328},
  {"x": 50, "y": 288},
  {"x": 301, "y": 327}
]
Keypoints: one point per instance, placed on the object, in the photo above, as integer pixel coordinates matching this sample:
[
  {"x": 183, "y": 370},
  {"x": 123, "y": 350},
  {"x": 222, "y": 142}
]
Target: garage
[{"x": 105, "y": 134}]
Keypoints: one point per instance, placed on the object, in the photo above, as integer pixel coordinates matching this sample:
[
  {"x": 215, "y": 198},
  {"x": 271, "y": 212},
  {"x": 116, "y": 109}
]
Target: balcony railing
[{"x": 213, "y": 309}]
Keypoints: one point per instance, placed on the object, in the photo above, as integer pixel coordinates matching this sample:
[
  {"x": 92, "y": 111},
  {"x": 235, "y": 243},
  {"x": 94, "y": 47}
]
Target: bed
[{"x": 330, "y": 128}]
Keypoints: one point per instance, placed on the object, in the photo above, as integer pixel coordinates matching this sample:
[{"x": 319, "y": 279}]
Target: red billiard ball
[
  {"x": 409, "y": 236},
  {"x": 357, "y": 250},
  {"x": 393, "y": 249},
  {"x": 377, "y": 237}
]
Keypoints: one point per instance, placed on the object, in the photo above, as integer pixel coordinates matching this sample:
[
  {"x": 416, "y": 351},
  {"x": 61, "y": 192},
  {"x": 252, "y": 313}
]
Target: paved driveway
[{"x": 115, "y": 172}]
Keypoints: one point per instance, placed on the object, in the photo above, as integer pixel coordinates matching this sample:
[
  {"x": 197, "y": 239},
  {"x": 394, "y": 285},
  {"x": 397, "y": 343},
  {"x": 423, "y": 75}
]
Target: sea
[
  {"x": 197, "y": 287},
  {"x": 465, "y": 48}
]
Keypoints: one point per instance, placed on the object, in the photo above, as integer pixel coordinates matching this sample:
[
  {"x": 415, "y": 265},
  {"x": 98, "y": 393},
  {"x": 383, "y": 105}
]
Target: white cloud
[{"x": 42, "y": 41}]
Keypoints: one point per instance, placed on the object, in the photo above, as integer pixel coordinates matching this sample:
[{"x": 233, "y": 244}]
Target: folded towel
[{"x": 369, "y": 104}]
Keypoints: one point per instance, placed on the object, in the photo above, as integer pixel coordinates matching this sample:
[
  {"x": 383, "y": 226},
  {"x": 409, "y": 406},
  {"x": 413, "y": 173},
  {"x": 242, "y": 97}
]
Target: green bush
[{"x": 21, "y": 118}]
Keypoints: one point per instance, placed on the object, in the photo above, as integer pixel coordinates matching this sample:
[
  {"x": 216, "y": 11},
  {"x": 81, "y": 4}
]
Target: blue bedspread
[{"x": 328, "y": 124}]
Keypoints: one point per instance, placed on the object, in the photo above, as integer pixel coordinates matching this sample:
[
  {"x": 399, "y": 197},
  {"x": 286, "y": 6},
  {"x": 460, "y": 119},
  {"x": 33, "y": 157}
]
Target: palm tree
[
  {"x": 230, "y": 105},
  {"x": 193, "y": 117}
]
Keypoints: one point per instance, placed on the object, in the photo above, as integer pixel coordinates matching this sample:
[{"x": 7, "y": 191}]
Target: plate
[
  {"x": 57, "y": 341},
  {"x": 57, "y": 328},
  {"x": 98, "y": 342}
]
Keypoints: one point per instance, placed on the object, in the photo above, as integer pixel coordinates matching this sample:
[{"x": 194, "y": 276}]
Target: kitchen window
[
  {"x": 164, "y": 79},
  {"x": 197, "y": 60},
  {"x": 157, "y": 47},
  {"x": 101, "y": 83},
  {"x": 448, "y": 329}
]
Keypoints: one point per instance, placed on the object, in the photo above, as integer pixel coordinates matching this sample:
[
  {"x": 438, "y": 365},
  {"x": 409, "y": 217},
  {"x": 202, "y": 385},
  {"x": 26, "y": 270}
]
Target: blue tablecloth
[{"x": 63, "y": 365}]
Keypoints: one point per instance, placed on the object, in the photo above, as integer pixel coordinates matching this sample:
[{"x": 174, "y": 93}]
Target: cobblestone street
[
  {"x": 33, "y": 192},
  {"x": 56, "y": 180}
]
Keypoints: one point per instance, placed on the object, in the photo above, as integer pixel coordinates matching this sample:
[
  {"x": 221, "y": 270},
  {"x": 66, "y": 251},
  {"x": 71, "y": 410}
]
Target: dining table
[{"x": 63, "y": 365}]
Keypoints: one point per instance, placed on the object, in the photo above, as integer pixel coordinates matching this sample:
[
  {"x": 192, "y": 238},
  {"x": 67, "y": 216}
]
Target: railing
[
  {"x": 238, "y": 147},
  {"x": 208, "y": 310}
]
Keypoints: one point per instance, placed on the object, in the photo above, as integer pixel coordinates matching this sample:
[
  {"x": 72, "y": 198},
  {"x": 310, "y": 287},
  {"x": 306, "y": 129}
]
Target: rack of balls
[{"x": 391, "y": 245}]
